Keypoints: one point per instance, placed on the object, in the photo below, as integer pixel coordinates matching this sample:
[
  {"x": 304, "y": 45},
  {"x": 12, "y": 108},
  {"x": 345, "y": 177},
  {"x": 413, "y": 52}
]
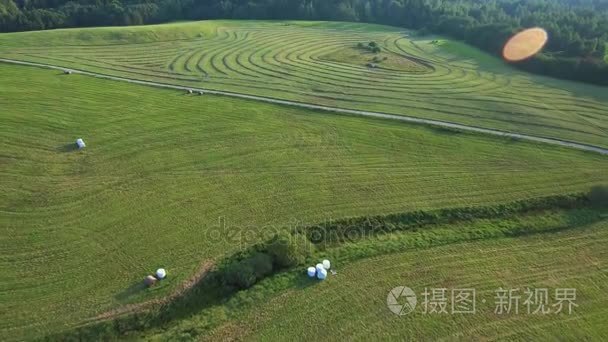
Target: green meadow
[
  {"x": 352, "y": 305},
  {"x": 183, "y": 181},
  {"x": 317, "y": 62},
  {"x": 160, "y": 168}
]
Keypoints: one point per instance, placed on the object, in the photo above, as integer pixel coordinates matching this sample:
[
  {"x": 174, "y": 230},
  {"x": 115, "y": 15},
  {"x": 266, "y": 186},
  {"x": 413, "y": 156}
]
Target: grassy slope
[
  {"x": 82, "y": 228},
  {"x": 285, "y": 59},
  {"x": 352, "y": 305}
]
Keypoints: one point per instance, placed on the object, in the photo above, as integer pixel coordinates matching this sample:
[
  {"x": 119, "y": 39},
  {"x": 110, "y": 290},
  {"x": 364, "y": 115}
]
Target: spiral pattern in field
[{"x": 288, "y": 61}]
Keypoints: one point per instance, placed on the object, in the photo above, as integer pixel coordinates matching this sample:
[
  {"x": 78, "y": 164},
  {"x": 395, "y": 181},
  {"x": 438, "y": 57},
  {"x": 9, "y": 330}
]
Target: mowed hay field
[
  {"x": 352, "y": 305},
  {"x": 82, "y": 228},
  {"x": 316, "y": 62}
]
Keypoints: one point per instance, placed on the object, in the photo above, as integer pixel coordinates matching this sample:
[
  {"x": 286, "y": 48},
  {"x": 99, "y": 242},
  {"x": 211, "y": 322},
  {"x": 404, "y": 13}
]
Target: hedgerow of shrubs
[
  {"x": 289, "y": 250},
  {"x": 282, "y": 251},
  {"x": 352, "y": 229}
]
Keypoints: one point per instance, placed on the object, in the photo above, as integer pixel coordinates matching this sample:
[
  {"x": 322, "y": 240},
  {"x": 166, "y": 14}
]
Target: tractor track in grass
[{"x": 402, "y": 118}]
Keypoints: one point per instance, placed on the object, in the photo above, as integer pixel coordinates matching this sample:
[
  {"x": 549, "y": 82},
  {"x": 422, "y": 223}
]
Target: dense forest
[{"x": 578, "y": 29}]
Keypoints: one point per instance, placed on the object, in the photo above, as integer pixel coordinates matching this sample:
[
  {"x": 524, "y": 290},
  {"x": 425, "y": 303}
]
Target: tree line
[{"x": 578, "y": 29}]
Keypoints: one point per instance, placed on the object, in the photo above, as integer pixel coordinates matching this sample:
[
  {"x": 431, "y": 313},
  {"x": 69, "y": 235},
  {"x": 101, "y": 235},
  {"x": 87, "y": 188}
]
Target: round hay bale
[
  {"x": 150, "y": 280},
  {"x": 312, "y": 272},
  {"x": 189, "y": 91},
  {"x": 525, "y": 44},
  {"x": 201, "y": 93},
  {"x": 319, "y": 267},
  {"x": 161, "y": 273},
  {"x": 322, "y": 274},
  {"x": 326, "y": 264}
]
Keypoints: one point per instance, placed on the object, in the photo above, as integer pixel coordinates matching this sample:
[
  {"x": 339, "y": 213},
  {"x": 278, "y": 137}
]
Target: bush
[
  {"x": 245, "y": 273},
  {"x": 261, "y": 264},
  {"x": 598, "y": 196},
  {"x": 240, "y": 274},
  {"x": 360, "y": 45},
  {"x": 375, "y": 49},
  {"x": 372, "y": 44},
  {"x": 289, "y": 249},
  {"x": 249, "y": 267}
]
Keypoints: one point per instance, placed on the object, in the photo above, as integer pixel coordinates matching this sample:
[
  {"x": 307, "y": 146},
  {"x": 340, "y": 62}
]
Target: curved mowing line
[
  {"x": 301, "y": 53},
  {"x": 411, "y": 81},
  {"x": 365, "y": 99},
  {"x": 403, "y": 118}
]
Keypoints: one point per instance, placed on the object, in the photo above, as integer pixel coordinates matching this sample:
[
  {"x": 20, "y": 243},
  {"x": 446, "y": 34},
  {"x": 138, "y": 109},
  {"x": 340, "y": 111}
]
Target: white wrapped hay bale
[
  {"x": 319, "y": 267},
  {"x": 321, "y": 275},
  {"x": 80, "y": 143},
  {"x": 161, "y": 273},
  {"x": 312, "y": 272},
  {"x": 326, "y": 264}
]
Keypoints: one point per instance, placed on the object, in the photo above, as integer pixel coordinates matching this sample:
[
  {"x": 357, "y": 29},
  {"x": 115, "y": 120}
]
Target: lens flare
[{"x": 525, "y": 44}]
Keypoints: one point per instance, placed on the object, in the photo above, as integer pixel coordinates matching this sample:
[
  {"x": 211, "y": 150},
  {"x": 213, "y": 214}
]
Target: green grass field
[
  {"x": 352, "y": 304},
  {"x": 288, "y": 60},
  {"x": 176, "y": 181},
  {"x": 81, "y": 228}
]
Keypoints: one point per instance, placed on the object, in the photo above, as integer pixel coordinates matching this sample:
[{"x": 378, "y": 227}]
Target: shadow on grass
[
  {"x": 446, "y": 130},
  {"x": 303, "y": 282},
  {"x": 512, "y": 140},
  {"x": 67, "y": 148},
  {"x": 133, "y": 290},
  {"x": 585, "y": 217}
]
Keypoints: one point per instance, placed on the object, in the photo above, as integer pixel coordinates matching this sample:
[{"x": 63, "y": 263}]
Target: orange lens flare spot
[{"x": 525, "y": 44}]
